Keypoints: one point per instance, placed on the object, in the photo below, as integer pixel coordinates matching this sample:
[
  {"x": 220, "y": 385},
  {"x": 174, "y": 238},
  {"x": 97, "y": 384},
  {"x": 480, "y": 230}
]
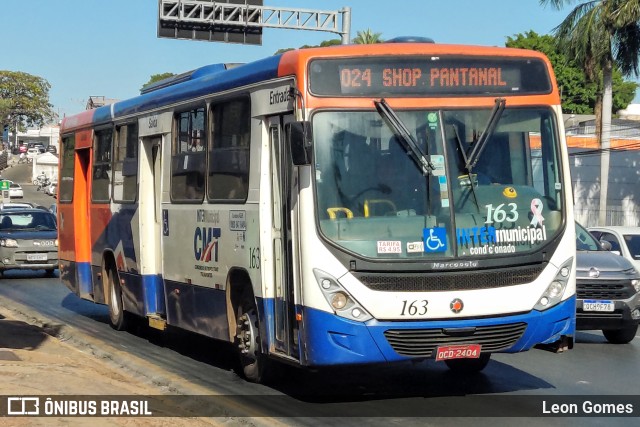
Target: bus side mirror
[{"x": 298, "y": 138}]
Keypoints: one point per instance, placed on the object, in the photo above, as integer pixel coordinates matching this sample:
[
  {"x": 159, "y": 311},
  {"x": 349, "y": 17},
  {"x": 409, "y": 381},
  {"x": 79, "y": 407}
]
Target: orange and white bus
[{"x": 345, "y": 205}]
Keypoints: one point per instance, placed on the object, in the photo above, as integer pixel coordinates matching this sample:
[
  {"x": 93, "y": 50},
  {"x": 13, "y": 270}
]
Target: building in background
[{"x": 623, "y": 198}]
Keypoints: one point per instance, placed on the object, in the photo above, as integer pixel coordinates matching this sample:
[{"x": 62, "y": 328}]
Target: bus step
[{"x": 157, "y": 322}]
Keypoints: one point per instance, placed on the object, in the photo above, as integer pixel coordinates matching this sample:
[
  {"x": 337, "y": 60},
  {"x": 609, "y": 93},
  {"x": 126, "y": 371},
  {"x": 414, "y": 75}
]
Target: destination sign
[{"x": 429, "y": 76}]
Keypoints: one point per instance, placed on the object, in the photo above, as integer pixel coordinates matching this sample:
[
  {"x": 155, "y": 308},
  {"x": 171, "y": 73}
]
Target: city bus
[{"x": 347, "y": 205}]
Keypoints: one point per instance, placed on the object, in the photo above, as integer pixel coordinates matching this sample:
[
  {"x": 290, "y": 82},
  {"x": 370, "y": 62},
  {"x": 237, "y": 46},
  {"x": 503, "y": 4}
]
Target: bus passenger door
[
  {"x": 150, "y": 218},
  {"x": 284, "y": 303}
]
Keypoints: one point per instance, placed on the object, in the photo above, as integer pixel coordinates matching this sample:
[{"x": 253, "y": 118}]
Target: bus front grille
[
  {"x": 423, "y": 342},
  {"x": 450, "y": 281}
]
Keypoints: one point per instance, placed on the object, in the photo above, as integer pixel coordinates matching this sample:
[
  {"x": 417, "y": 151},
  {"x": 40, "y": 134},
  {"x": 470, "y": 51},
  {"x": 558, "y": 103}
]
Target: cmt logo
[{"x": 205, "y": 244}]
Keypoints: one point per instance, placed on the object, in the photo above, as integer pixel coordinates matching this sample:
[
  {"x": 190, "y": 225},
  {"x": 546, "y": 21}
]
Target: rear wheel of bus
[
  {"x": 468, "y": 366},
  {"x": 117, "y": 317}
]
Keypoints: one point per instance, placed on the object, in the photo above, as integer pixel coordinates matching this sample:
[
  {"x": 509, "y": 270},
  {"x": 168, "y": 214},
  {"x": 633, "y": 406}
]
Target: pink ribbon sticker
[{"x": 536, "y": 209}]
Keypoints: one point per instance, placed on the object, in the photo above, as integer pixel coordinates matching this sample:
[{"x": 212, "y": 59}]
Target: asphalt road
[{"x": 409, "y": 394}]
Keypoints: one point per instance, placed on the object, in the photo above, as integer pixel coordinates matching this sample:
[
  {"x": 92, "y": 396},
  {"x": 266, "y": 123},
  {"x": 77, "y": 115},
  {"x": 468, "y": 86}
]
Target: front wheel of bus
[
  {"x": 253, "y": 364},
  {"x": 117, "y": 318},
  {"x": 468, "y": 366}
]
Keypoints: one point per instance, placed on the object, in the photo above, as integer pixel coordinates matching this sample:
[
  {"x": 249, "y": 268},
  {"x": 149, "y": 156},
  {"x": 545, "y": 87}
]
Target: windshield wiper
[
  {"x": 465, "y": 159},
  {"x": 473, "y": 157},
  {"x": 404, "y": 136}
]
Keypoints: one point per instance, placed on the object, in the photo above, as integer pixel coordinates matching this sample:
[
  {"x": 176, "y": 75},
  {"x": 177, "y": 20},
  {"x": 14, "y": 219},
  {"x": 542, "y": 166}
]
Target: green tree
[
  {"x": 578, "y": 94},
  {"x": 156, "y": 78},
  {"x": 367, "y": 37},
  {"x": 600, "y": 35},
  {"x": 332, "y": 42},
  {"x": 24, "y": 100}
]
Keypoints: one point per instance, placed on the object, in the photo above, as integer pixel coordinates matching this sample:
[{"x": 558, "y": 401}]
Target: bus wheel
[
  {"x": 117, "y": 318},
  {"x": 253, "y": 364},
  {"x": 620, "y": 336},
  {"x": 469, "y": 366}
]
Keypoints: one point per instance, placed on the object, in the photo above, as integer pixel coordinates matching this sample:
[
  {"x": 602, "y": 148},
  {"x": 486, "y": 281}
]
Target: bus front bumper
[{"x": 332, "y": 340}]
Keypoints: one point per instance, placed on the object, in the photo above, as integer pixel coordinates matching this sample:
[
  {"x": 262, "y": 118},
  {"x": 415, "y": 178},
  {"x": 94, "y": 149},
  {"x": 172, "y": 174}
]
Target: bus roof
[{"x": 216, "y": 78}]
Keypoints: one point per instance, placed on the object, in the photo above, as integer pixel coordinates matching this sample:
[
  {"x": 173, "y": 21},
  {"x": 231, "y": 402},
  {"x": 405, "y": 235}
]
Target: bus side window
[
  {"x": 187, "y": 166},
  {"x": 228, "y": 177}
]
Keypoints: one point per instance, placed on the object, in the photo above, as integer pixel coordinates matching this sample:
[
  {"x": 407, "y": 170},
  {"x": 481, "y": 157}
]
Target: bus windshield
[{"x": 376, "y": 200}]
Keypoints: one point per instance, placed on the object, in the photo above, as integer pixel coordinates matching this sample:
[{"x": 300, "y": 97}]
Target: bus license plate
[
  {"x": 469, "y": 351},
  {"x": 36, "y": 257},
  {"x": 598, "y": 305}
]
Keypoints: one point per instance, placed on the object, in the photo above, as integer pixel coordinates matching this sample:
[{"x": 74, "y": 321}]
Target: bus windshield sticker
[
  {"x": 435, "y": 239},
  {"x": 389, "y": 247},
  {"x": 432, "y": 119},
  {"x": 415, "y": 247},
  {"x": 438, "y": 162},
  {"x": 536, "y": 210}
]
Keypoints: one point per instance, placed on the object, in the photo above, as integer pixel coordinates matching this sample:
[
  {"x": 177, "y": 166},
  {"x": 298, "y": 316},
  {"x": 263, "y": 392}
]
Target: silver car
[
  {"x": 28, "y": 240},
  {"x": 624, "y": 241},
  {"x": 608, "y": 289}
]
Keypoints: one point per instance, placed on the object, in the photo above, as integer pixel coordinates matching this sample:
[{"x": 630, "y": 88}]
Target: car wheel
[
  {"x": 468, "y": 366},
  {"x": 620, "y": 336}
]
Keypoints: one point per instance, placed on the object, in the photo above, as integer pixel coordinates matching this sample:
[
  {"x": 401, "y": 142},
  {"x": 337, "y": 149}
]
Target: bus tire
[
  {"x": 469, "y": 366},
  {"x": 117, "y": 317},
  {"x": 620, "y": 336},
  {"x": 253, "y": 364}
]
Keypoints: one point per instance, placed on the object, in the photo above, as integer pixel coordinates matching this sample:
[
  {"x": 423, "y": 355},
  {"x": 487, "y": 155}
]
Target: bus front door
[{"x": 286, "y": 331}]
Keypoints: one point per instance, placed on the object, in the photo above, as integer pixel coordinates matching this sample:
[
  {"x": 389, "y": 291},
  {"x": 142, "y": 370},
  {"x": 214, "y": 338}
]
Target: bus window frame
[
  {"x": 116, "y": 160},
  {"x": 178, "y": 154},
  {"x": 95, "y": 164},
  {"x": 244, "y": 177},
  {"x": 67, "y": 155}
]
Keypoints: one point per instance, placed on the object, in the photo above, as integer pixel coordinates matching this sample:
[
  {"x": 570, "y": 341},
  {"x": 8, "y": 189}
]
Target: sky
[{"x": 110, "y": 48}]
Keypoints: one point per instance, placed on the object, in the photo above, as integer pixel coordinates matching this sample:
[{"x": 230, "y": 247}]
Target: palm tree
[
  {"x": 601, "y": 35},
  {"x": 367, "y": 37}
]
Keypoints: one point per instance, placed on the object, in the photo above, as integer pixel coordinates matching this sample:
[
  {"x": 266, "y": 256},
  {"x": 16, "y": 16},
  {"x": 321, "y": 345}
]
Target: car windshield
[
  {"x": 381, "y": 193},
  {"x": 633, "y": 243},
  {"x": 27, "y": 221},
  {"x": 585, "y": 240}
]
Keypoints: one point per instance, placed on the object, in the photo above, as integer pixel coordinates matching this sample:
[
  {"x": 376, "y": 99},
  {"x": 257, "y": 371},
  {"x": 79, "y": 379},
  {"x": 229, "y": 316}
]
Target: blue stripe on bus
[
  {"x": 332, "y": 340},
  {"x": 213, "y": 82},
  {"x": 85, "y": 283},
  {"x": 153, "y": 290}
]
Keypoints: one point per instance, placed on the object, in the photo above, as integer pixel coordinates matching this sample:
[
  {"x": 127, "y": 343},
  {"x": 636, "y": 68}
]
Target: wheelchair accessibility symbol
[{"x": 435, "y": 239}]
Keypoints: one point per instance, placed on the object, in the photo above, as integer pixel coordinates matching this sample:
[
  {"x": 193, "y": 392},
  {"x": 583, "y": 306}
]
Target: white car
[
  {"x": 15, "y": 191},
  {"x": 624, "y": 241}
]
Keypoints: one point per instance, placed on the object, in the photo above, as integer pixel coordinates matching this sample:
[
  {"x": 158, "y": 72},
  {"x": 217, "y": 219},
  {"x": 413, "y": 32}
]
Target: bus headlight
[
  {"x": 343, "y": 304},
  {"x": 554, "y": 292}
]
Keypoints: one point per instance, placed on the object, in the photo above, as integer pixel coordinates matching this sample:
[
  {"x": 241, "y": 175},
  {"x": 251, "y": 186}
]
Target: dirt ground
[{"x": 34, "y": 363}]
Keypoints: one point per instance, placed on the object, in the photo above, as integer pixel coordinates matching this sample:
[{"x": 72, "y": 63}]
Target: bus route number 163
[{"x": 468, "y": 351}]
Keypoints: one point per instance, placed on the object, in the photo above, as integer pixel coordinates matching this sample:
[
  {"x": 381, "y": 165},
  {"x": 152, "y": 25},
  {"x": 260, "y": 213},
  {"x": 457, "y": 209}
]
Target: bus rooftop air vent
[{"x": 410, "y": 39}]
